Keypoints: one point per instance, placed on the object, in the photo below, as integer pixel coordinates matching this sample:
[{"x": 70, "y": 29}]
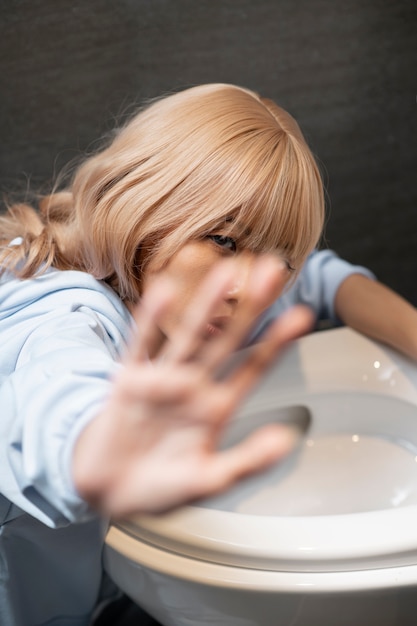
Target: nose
[
  {"x": 238, "y": 290},
  {"x": 240, "y": 283},
  {"x": 232, "y": 294}
]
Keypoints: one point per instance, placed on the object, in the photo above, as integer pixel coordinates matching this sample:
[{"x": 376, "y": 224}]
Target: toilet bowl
[{"x": 326, "y": 538}]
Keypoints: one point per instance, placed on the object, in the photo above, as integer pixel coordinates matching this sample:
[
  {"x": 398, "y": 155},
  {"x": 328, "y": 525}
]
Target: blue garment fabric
[
  {"x": 316, "y": 287},
  {"x": 62, "y": 336}
]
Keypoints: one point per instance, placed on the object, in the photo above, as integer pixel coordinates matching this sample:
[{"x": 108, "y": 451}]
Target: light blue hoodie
[{"x": 61, "y": 337}]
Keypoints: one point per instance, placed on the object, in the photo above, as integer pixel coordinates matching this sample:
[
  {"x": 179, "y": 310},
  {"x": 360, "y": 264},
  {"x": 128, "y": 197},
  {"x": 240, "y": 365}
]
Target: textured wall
[{"x": 346, "y": 69}]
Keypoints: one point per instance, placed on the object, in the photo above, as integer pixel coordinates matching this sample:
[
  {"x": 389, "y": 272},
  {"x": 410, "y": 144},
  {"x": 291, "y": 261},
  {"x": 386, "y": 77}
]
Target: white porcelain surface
[{"x": 339, "y": 516}]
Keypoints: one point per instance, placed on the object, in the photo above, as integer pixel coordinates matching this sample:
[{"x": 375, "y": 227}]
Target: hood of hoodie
[{"x": 25, "y": 304}]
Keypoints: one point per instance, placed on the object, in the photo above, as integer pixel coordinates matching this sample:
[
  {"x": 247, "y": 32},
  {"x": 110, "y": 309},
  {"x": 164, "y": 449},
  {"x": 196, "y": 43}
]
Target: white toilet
[{"x": 328, "y": 537}]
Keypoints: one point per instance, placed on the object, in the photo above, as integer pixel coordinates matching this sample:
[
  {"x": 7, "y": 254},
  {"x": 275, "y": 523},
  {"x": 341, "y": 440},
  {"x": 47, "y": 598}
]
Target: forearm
[{"x": 375, "y": 310}]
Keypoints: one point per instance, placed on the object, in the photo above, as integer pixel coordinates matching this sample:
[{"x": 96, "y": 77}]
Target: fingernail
[{"x": 293, "y": 435}]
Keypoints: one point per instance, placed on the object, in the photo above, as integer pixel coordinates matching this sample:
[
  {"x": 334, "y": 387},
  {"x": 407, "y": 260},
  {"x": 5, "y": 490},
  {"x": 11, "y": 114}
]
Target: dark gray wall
[{"x": 345, "y": 68}]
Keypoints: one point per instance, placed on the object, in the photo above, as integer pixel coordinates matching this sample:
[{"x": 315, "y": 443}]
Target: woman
[{"x": 122, "y": 300}]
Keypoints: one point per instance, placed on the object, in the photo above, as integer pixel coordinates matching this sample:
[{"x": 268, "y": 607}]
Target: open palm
[{"x": 155, "y": 445}]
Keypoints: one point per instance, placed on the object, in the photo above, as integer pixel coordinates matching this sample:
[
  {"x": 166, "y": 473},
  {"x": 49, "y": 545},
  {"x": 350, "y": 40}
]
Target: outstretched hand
[{"x": 155, "y": 445}]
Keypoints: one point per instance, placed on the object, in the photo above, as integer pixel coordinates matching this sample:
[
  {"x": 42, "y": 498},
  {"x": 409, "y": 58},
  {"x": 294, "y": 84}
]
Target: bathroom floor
[{"x": 124, "y": 612}]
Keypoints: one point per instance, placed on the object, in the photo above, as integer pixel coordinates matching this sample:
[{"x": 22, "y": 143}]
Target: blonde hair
[{"x": 177, "y": 171}]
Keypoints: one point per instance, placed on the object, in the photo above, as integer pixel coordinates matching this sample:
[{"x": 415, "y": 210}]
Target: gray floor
[{"x": 124, "y": 612}]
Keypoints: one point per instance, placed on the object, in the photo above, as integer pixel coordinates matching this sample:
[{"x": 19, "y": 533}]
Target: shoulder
[{"x": 57, "y": 294}]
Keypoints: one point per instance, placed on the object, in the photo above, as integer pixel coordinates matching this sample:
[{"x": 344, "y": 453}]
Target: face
[{"x": 189, "y": 267}]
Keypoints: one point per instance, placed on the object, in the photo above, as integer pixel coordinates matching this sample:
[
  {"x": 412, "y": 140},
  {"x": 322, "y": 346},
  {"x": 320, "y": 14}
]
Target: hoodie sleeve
[
  {"x": 315, "y": 286},
  {"x": 59, "y": 383},
  {"x": 319, "y": 281}
]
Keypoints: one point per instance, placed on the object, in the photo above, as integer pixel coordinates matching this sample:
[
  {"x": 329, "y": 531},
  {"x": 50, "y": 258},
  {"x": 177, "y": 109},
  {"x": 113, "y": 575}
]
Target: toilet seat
[
  {"x": 207, "y": 543},
  {"x": 124, "y": 548}
]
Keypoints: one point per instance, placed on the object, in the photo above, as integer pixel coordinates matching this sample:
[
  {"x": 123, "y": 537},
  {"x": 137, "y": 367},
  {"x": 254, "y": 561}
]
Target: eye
[
  {"x": 228, "y": 243},
  {"x": 290, "y": 268}
]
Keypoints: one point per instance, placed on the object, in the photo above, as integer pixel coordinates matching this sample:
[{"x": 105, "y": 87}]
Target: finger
[
  {"x": 292, "y": 324},
  {"x": 159, "y": 386},
  {"x": 255, "y": 453},
  {"x": 147, "y": 337},
  {"x": 266, "y": 281},
  {"x": 190, "y": 334}
]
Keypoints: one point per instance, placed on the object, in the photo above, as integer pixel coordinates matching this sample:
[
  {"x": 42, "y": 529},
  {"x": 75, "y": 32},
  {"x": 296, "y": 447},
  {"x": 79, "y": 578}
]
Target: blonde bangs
[{"x": 257, "y": 174}]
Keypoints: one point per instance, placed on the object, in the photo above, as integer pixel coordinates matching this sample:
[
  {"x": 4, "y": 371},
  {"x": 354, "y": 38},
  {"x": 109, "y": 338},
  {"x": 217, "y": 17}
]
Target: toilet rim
[
  {"x": 125, "y": 553},
  {"x": 333, "y": 543}
]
